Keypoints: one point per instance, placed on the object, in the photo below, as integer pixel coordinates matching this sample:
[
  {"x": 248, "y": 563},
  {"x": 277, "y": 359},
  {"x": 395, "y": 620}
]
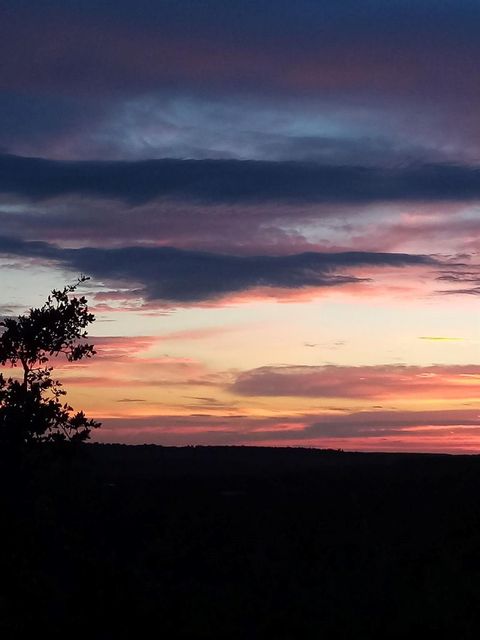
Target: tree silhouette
[{"x": 31, "y": 407}]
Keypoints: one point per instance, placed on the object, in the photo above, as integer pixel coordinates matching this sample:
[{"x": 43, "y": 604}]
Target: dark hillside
[{"x": 241, "y": 542}]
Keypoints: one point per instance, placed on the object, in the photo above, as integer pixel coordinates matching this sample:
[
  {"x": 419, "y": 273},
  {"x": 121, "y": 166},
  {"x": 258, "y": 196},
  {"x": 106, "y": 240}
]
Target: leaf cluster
[
  {"x": 32, "y": 408},
  {"x": 46, "y": 332}
]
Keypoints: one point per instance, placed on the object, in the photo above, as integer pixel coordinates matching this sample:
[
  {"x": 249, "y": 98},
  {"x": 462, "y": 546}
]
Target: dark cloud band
[
  {"x": 232, "y": 181},
  {"x": 175, "y": 275}
]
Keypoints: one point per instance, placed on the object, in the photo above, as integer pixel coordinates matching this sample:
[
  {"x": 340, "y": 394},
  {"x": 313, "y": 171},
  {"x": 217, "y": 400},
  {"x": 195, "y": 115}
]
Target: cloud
[
  {"x": 468, "y": 291},
  {"x": 174, "y": 275},
  {"x": 121, "y": 347},
  {"x": 451, "y": 226},
  {"x": 142, "y": 372},
  {"x": 242, "y": 229},
  {"x": 233, "y": 181},
  {"x": 458, "y": 277},
  {"x": 309, "y": 46},
  {"x": 357, "y": 150},
  {"x": 47, "y": 121},
  {"x": 366, "y": 382},
  {"x": 434, "y": 430},
  {"x": 414, "y": 60},
  {"x": 384, "y": 423},
  {"x": 187, "y": 335},
  {"x": 245, "y": 229},
  {"x": 440, "y": 338}
]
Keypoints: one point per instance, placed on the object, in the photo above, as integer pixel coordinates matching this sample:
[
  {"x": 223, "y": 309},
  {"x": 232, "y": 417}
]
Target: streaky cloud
[
  {"x": 440, "y": 338},
  {"x": 350, "y": 428}
]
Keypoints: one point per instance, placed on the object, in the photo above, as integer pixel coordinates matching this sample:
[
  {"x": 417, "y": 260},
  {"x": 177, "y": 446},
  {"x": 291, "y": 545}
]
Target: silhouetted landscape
[
  {"x": 269, "y": 211},
  {"x": 239, "y": 542}
]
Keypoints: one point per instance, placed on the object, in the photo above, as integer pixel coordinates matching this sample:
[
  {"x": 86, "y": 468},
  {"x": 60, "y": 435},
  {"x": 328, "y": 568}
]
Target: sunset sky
[{"x": 278, "y": 204}]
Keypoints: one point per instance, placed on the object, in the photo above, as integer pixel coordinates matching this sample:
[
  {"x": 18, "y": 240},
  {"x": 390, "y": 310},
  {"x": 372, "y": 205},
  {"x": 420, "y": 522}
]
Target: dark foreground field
[{"x": 240, "y": 543}]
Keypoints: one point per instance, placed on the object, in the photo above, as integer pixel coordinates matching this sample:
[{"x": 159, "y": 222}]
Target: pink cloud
[
  {"x": 444, "y": 431},
  {"x": 414, "y": 228},
  {"x": 197, "y": 334},
  {"x": 372, "y": 382},
  {"x": 116, "y": 347}
]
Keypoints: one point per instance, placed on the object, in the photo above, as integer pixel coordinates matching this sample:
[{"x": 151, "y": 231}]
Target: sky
[{"x": 278, "y": 206}]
